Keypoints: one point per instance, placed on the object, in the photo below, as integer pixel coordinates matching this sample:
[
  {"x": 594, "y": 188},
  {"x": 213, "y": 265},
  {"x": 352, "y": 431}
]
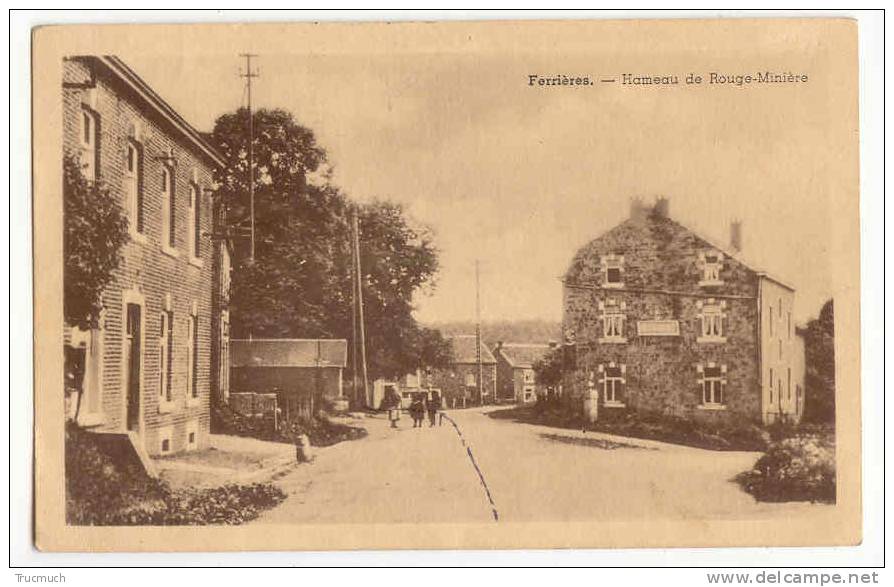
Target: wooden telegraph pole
[
  {"x": 248, "y": 75},
  {"x": 360, "y": 329}
]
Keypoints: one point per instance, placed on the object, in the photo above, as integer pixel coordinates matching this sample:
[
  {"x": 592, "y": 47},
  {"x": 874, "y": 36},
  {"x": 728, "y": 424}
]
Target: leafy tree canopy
[
  {"x": 300, "y": 284},
  {"x": 819, "y": 381},
  {"x": 95, "y": 229}
]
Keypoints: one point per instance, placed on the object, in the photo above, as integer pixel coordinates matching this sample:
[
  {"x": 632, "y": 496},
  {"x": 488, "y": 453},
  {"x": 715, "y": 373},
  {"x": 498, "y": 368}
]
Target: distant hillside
[{"x": 506, "y": 330}]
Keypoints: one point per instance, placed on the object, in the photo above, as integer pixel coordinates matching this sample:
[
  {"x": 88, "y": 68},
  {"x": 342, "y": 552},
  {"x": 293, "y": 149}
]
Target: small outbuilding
[{"x": 304, "y": 374}]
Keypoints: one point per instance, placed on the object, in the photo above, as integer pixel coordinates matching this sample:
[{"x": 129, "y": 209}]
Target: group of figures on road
[{"x": 421, "y": 404}]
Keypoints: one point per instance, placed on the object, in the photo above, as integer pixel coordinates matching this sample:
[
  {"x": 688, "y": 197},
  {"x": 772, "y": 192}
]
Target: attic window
[
  {"x": 613, "y": 269},
  {"x": 711, "y": 263}
]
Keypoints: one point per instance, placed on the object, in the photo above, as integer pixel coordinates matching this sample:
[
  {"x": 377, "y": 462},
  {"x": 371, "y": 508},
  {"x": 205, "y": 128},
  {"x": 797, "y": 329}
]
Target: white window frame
[
  {"x": 165, "y": 348},
  {"x": 618, "y": 384},
  {"x": 614, "y": 321},
  {"x": 133, "y": 171},
  {"x": 710, "y": 269},
  {"x": 717, "y": 387},
  {"x": 89, "y": 141},
  {"x": 192, "y": 358},
  {"x": 471, "y": 377},
  {"x": 528, "y": 376},
  {"x": 712, "y": 321},
  {"x": 195, "y": 230},
  {"x": 612, "y": 262},
  {"x": 168, "y": 203}
]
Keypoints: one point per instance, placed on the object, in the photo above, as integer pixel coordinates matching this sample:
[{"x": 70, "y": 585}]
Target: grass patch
[
  {"x": 105, "y": 488},
  {"x": 591, "y": 442},
  {"x": 715, "y": 436},
  {"x": 801, "y": 468}
]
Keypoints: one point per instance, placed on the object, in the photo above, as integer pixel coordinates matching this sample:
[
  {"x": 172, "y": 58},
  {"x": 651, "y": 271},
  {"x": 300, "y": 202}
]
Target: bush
[
  {"x": 104, "y": 489},
  {"x": 794, "y": 469}
]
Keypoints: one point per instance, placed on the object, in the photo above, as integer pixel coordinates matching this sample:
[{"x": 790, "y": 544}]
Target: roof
[
  {"x": 130, "y": 78},
  {"x": 288, "y": 352},
  {"x": 464, "y": 350},
  {"x": 727, "y": 251},
  {"x": 522, "y": 355}
]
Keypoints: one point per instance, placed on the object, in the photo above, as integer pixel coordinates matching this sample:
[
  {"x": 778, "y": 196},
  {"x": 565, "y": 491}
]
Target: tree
[
  {"x": 301, "y": 282},
  {"x": 548, "y": 368},
  {"x": 95, "y": 229},
  {"x": 819, "y": 381}
]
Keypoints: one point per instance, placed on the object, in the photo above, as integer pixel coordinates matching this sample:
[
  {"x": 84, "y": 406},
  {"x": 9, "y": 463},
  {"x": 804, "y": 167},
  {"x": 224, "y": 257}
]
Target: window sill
[
  {"x": 171, "y": 252},
  {"x": 710, "y": 339},
  {"x": 196, "y": 262},
  {"x": 166, "y": 407},
  {"x": 613, "y": 285},
  {"x": 712, "y": 407},
  {"x": 614, "y": 405},
  {"x": 91, "y": 420},
  {"x": 137, "y": 237},
  {"x": 192, "y": 402},
  {"x": 612, "y": 340},
  {"x": 710, "y": 282}
]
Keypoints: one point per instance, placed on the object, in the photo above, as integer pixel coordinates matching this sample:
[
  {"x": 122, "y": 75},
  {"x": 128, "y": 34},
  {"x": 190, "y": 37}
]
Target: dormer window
[
  {"x": 711, "y": 263},
  {"x": 614, "y": 321},
  {"x": 613, "y": 270},
  {"x": 712, "y": 317}
]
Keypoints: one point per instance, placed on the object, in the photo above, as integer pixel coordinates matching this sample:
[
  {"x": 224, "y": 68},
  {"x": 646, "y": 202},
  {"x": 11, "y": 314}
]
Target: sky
[{"x": 520, "y": 177}]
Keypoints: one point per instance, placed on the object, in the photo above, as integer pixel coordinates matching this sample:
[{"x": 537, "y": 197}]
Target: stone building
[
  {"x": 459, "y": 383},
  {"x": 516, "y": 380},
  {"x": 147, "y": 368},
  {"x": 659, "y": 319}
]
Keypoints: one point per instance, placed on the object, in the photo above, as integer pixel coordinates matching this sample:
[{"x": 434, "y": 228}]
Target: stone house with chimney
[
  {"x": 659, "y": 319},
  {"x": 460, "y": 383},
  {"x": 516, "y": 379},
  {"x": 147, "y": 369}
]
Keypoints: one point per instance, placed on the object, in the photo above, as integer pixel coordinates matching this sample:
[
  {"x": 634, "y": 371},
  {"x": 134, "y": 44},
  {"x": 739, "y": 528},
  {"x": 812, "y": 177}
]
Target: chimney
[
  {"x": 637, "y": 210},
  {"x": 735, "y": 235},
  {"x": 662, "y": 207}
]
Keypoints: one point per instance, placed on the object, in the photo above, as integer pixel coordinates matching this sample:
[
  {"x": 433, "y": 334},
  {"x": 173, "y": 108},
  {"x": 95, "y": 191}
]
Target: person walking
[
  {"x": 417, "y": 411},
  {"x": 434, "y": 406}
]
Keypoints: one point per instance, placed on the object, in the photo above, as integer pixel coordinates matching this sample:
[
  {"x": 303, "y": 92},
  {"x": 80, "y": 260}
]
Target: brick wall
[
  {"x": 661, "y": 281},
  {"x": 147, "y": 274}
]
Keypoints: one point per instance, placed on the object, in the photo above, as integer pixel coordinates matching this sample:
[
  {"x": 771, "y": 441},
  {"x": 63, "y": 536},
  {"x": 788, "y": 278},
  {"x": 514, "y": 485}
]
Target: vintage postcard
[{"x": 521, "y": 284}]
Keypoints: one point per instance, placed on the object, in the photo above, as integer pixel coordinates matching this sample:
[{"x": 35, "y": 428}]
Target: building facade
[
  {"x": 459, "y": 383},
  {"x": 148, "y": 365},
  {"x": 658, "y": 319},
  {"x": 516, "y": 380}
]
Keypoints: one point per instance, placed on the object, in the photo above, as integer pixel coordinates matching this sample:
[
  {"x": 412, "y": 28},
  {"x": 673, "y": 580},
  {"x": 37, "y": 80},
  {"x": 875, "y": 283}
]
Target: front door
[{"x": 132, "y": 362}]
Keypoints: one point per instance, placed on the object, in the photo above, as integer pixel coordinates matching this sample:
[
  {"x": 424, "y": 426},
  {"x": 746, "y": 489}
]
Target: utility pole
[
  {"x": 355, "y": 223},
  {"x": 248, "y": 75},
  {"x": 478, "y": 331}
]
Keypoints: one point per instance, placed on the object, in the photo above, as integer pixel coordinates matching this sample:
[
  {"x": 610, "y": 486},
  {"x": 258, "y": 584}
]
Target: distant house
[
  {"x": 459, "y": 383},
  {"x": 516, "y": 380},
  {"x": 659, "y": 319},
  {"x": 305, "y": 374},
  {"x": 404, "y": 386}
]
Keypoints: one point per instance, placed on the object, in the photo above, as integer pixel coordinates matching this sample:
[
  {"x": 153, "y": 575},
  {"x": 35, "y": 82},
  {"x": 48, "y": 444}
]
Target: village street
[{"x": 534, "y": 473}]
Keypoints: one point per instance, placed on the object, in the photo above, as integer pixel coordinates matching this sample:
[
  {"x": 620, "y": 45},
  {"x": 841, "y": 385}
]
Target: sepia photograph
[{"x": 534, "y": 284}]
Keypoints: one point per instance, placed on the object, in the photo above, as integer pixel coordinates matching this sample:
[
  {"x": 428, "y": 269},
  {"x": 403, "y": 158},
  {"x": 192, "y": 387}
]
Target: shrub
[
  {"x": 103, "y": 489},
  {"x": 320, "y": 430},
  {"x": 794, "y": 469}
]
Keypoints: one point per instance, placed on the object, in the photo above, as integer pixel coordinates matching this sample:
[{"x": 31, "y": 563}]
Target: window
[
  {"x": 165, "y": 350},
  {"x": 133, "y": 186},
  {"x": 168, "y": 207},
  {"x": 613, "y": 384},
  {"x": 164, "y": 440},
  {"x": 192, "y": 435},
  {"x": 711, "y": 317},
  {"x": 789, "y": 327},
  {"x": 789, "y": 384},
  {"x": 529, "y": 376},
  {"x": 711, "y": 263},
  {"x": 195, "y": 241},
  {"x": 614, "y": 321},
  {"x": 613, "y": 268},
  {"x": 770, "y": 314},
  {"x": 470, "y": 380},
  {"x": 771, "y": 386},
  {"x": 780, "y": 348},
  {"x": 192, "y": 351},
  {"x": 89, "y": 145},
  {"x": 713, "y": 384}
]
